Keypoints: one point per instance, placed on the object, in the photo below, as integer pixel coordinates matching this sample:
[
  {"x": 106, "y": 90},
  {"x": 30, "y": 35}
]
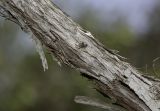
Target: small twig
[
  {"x": 97, "y": 103},
  {"x": 146, "y": 67},
  {"x": 153, "y": 65}
]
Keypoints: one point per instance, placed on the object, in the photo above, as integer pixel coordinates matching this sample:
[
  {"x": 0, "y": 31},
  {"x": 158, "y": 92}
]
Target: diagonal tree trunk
[{"x": 77, "y": 48}]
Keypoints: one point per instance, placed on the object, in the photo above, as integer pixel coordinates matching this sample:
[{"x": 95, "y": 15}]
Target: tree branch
[
  {"x": 97, "y": 103},
  {"x": 77, "y": 48}
]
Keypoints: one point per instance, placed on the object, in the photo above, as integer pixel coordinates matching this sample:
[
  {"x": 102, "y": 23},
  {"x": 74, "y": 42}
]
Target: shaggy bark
[{"x": 77, "y": 48}]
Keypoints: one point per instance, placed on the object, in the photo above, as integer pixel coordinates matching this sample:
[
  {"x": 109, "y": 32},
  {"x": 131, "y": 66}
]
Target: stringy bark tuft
[{"x": 40, "y": 51}]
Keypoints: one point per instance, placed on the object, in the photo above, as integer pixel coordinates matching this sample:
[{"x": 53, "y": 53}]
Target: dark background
[{"x": 132, "y": 27}]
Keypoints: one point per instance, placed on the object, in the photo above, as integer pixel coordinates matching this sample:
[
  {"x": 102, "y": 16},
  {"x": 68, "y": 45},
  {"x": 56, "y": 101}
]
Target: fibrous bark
[{"x": 77, "y": 48}]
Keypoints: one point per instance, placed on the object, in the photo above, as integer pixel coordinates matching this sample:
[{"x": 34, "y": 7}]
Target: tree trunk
[{"x": 77, "y": 48}]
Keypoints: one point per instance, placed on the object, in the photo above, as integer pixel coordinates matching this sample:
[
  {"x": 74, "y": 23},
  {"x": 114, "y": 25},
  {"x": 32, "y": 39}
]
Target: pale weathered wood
[{"x": 76, "y": 47}]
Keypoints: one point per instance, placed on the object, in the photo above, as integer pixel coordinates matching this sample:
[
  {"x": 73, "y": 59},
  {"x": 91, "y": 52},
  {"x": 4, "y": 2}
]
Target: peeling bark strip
[
  {"x": 97, "y": 103},
  {"x": 74, "y": 46}
]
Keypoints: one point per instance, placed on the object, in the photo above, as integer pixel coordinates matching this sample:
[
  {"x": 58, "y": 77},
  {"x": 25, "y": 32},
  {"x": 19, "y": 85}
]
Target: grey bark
[{"x": 77, "y": 48}]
